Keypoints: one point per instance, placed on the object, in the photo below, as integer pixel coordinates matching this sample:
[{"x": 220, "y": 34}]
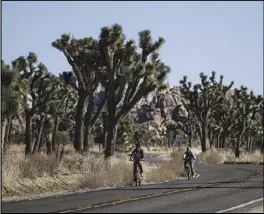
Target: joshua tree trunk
[
  {"x": 224, "y": 141},
  {"x": 190, "y": 140},
  {"x": 79, "y": 118},
  {"x": 88, "y": 123},
  {"x": 10, "y": 130},
  {"x": 111, "y": 126},
  {"x": 4, "y": 123},
  {"x": 54, "y": 133},
  {"x": 249, "y": 144},
  {"x": 28, "y": 134},
  {"x": 237, "y": 146},
  {"x": 7, "y": 133},
  {"x": 48, "y": 142},
  {"x": 203, "y": 138},
  {"x": 110, "y": 140},
  {"x": 210, "y": 138},
  {"x": 105, "y": 138},
  {"x": 39, "y": 133},
  {"x": 217, "y": 141},
  {"x": 87, "y": 133},
  {"x": 104, "y": 130},
  {"x": 41, "y": 141}
]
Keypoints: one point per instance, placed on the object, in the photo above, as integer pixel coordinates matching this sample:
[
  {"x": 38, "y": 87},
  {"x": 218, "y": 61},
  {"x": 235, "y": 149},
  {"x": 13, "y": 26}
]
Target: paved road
[{"x": 218, "y": 188}]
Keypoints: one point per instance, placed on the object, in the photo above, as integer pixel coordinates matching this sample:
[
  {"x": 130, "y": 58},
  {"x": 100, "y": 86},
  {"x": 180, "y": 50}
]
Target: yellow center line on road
[
  {"x": 124, "y": 200},
  {"x": 208, "y": 185}
]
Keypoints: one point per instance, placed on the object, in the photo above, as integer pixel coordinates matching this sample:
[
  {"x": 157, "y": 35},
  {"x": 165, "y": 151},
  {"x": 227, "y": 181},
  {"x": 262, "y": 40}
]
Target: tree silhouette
[
  {"x": 84, "y": 57},
  {"x": 128, "y": 75},
  {"x": 31, "y": 74},
  {"x": 203, "y": 97}
]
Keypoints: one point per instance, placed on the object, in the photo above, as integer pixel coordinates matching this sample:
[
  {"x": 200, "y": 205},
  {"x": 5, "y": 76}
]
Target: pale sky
[{"x": 200, "y": 36}]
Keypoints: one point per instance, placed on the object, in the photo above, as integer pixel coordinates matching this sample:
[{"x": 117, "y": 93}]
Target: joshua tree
[
  {"x": 187, "y": 126},
  {"x": 247, "y": 107},
  {"x": 11, "y": 92},
  {"x": 63, "y": 110},
  {"x": 128, "y": 75},
  {"x": 84, "y": 57},
  {"x": 203, "y": 97},
  {"x": 31, "y": 74},
  {"x": 47, "y": 94},
  {"x": 222, "y": 120}
]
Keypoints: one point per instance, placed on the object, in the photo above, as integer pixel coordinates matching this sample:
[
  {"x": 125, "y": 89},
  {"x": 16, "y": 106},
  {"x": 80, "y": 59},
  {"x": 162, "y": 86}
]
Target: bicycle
[
  {"x": 188, "y": 169},
  {"x": 138, "y": 179}
]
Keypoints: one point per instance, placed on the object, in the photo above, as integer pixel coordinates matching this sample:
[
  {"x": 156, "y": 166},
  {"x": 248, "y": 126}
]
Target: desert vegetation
[{"x": 51, "y": 123}]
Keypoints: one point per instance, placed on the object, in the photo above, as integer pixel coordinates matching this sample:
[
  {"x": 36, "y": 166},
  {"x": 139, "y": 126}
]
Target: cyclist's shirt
[
  {"x": 138, "y": 154},
  {"x": 189, "y": 155}
]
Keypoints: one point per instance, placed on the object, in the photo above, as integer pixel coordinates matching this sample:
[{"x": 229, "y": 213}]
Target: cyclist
[
  {"x": 138, "y": 154},
  {"x": 188, "y": 156}
]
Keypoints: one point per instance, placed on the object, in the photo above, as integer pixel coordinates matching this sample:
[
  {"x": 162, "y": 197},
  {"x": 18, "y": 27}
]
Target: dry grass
[
  {"x": 213, "y": 156},
  {"x": 177, "y": 154},
  {"x": 169, "y": 170},
  {"x": 44, "y": 175},
  {"x": 219, "y": 156}
]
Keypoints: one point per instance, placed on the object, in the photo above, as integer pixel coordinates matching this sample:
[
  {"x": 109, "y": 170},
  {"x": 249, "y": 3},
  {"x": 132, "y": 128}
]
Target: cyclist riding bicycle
[
  {"x": 188, "y": 156},
  {"x": 138, "y": 154}
]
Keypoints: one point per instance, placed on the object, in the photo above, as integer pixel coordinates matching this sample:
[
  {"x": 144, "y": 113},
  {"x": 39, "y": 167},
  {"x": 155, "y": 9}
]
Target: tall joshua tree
[
  {"x": 129, "y": 74},
  {"x": 31, "y": 74},
  {"x": 84, "y": 57}
]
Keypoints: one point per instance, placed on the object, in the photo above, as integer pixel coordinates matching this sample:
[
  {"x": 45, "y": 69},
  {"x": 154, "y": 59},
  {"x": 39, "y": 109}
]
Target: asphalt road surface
[{"x": 219, "y": 187}]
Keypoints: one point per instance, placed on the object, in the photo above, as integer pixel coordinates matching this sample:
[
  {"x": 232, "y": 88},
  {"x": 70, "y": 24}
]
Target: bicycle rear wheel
[
  {"x": 138, "y": 179},
  {"x": 189, "y": 172}
]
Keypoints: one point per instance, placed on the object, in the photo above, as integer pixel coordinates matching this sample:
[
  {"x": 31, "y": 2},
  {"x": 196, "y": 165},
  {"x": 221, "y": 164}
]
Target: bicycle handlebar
[
  {"x": 135, "y": 160},
  {"x": 188, "y": 159}
]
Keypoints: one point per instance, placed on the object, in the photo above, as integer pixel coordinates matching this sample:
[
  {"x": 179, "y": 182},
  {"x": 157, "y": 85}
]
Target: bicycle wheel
[
  {"x": 189, "y": 172},
  {"x": 138, "y": 179}
]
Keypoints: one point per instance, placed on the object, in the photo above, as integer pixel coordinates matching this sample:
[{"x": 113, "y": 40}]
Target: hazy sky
[{"x": 200, "y": 36}]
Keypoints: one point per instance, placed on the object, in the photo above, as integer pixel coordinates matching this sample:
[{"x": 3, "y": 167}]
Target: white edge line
[{"x": 240, "y": 206}]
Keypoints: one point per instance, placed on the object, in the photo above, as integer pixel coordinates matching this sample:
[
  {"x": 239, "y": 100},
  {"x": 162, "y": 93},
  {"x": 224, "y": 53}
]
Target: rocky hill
[{"x": 155, "y": 111}]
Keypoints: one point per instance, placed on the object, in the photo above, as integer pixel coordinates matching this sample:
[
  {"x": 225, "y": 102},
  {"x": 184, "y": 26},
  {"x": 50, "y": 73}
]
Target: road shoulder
[{"x": 259, "y": 209}]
